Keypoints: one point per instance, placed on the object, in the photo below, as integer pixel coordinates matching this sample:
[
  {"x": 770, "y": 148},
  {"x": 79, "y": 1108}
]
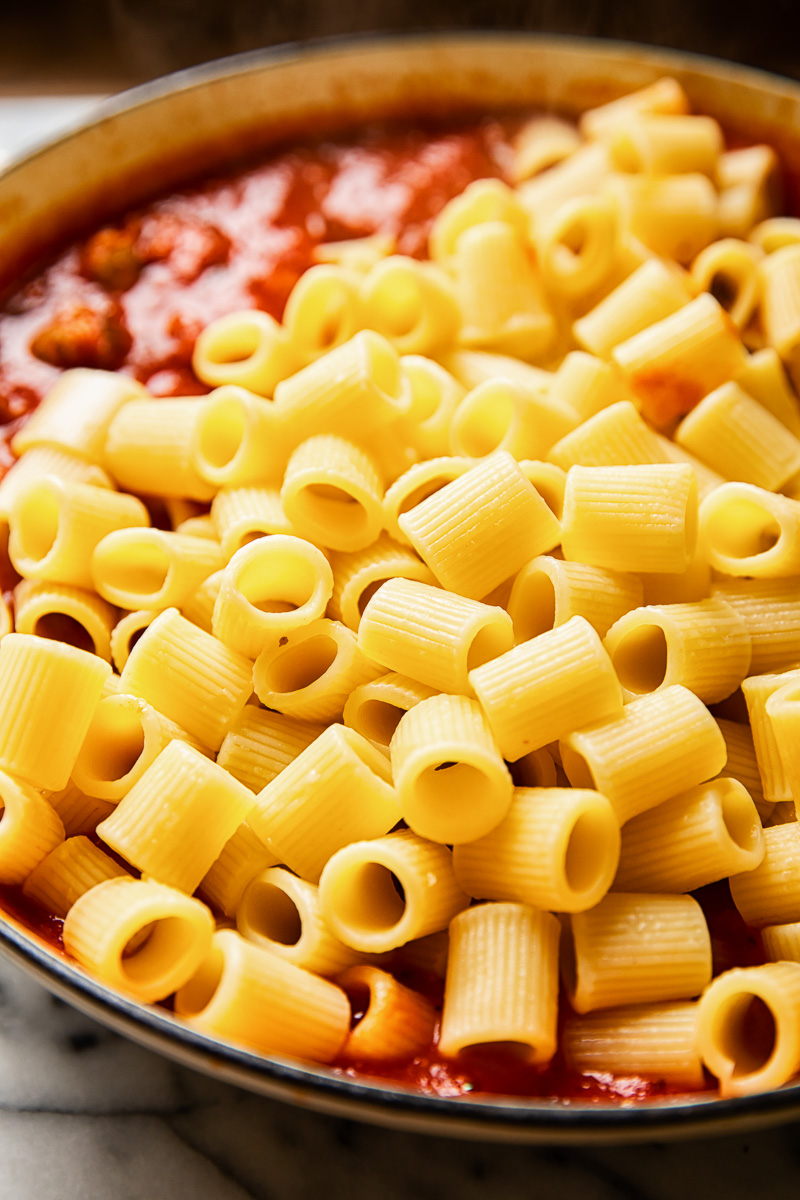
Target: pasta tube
[
  {"x": 238, "y": 441},
  {"x": 67, "y": 873},
  {"x": 241, "y": 858},
  {"x": 249, "y": 349},
  {"x": 150, "y": 449},
  {"x": 375, "y": 709},
  {"x": 332, "y": 493},
  {"x": 770, "y": 894},
  {"x": 397, "y": 1023},
  {"x": 358, "y": 575},
  {"x": 66, "y": 614},
  {"x": 29, "y": 829},
  {"x": 548, "y": 592},
  {"x": 749, "y": 531},
  {"x": 500, "y": 415},
  {"x": 76, "y": 413},
  {"x": 323, "y": 310},
  {"x": 149, "y": 568},
  {"x": 656, "y": 1041},
  {"x": 412, "y": 304},
  {"x": 260, "y": 744}
]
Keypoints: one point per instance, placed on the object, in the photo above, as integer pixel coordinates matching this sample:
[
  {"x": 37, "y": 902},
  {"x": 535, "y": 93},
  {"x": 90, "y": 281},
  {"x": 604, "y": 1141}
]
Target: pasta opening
[
  {"x": 511, "y": 1051},
  {"x": 221, "y": 433},
  {"x": 277, "y": 582},
  {"x": 535, "y": 611},
  {"x": 169, "y": 941},
  {"x": 451, "y": 789},
  {"x": 234, "y": 344},
  {"x": 486, "y": 423},
  {"x": 379, "y": 720},
  {"x": 115, "y": 743},
  {"x": 332, "y": 507},
  {"x": 641, "y": 658},
  {"x": 577, "y": 769},
  {"x": 587, "y": 852},
  {"x": 487, "y": 644},
  {"x": 423, "y": 492},
  {"x": 741, "y": 820},
  {"x": 368, "y": 592},
  {"x": 200, "y": 990},
  {"x": 746, "y": 1033},
  {"x": 360, "y": 997},
  {"x": 140, "y": 569},
  {"x": 60, "y": 627},
  {"x": 367, "y": 899},
  {"x": 299, "y": 666},
  {"x": 742, "y": 529},
  {"x": 725, "y": 289},
  {"x": 273, "y": 914},
  {"x": 37, "y": 523}
]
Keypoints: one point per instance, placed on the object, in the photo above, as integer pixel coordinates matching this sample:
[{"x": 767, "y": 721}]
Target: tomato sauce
[{"x": 134, "y": 296}]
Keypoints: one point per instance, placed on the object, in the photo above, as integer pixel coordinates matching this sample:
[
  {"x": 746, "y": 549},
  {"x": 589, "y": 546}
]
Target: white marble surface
[{"x": 86, "y": 1115}]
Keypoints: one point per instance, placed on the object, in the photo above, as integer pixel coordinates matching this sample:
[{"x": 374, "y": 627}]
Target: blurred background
[{"x": 60, "y": 46}]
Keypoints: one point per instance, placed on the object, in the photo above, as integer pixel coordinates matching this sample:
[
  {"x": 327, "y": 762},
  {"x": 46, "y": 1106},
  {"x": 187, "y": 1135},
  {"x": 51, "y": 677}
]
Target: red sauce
[{"x": 135, "y": 295}]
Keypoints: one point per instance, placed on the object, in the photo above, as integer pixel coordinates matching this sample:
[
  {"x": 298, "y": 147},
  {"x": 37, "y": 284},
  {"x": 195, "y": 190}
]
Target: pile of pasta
[{"x": 460, "y": 553}]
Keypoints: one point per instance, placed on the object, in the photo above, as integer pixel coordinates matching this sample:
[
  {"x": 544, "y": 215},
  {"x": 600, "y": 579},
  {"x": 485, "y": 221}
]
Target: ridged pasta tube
[
  {"x": 501, "y": 415},
  {"x": 243, "y": 514},
  {"x": 141, "y": 937},
  {"x": 549, "y": 480},
  {"x": 705, "y": 647},
  {"x": 151, "y": 568},
  {"x": 581, "y": 174},
  {"x": 780, "y": 303},
  {"x": 770, "y": 894},
  {"x": 432, "y": 635},
  {"x": 239, "y": 861},
  {"x": 67, "y": 873},
  {"x": 588, "y": 384},
  {"x": 556, "y": 849},
  {"x": 636, "y": 949},
  {"x": 48, "y": 694},
  {"x": 199, "y": 608},
  {"x": 247, "y": 995},
  {"x": 397, "y": 1023},
  {"x": 248, "y": 348},
  {"x": 282, "y": 914},
  {"x": 78, "y": 813},
  {"x": 29, "y": 830},
  {"x": 750, "y": 531},
  {"x": 655, "y": 1041},
  {"x": 742, "y": 764},
  {"x": 55, "y": 526},
  {"x": 770, "y": 610},
  {"x": 177, "y": 817},
  {"x": 763, "y": 377},
  {"x": 332, "y": 493},
  {"x": 411, "y": 303},
  {"x": 502, "y": 981},
  {"x": 416, "y": 484},
  {"x": 639, "y": 518},
  {"x": 783, "y": 714},
  {"x": 127, "y": 632},
  {"x": 206, "y": 687},
  {"x": 435, "y": 395},
  {"x": 337, "y": 791},
  {"x": 238, "y": 441},
  {"x": 125, "y": 736},
  {"x": 351, "y": 391},
  {"x": 548, "y": 592},
  {"x": 65, "y": 613},
  {"x": 310, "y": 672},
  {"x": 260, "y": 744},
  {"x": 150, "y": 449},
  {"x": 675, "y": 216},
  {"x": 47, "y": 460},
  {"x": 451, "y": 781},
  {"x": 480, "y": 529},
  {"x": 588, "y": 223},
  {"x": 661, "y": 744},
  {"x": 728, "y": 269},
  {"x": 323, "y": 310},
  {"x": 483, "y": 200},
  {"x": 375, "y": 709},
  {"x": 782, "y": 942},
  {"x": 615, "y": 436},
  {"x": 270, "y": 587},
  {"x": 358, "y": 575},
  {"x": 693, "y": 839},
  {"x": 655, "y": 290},
  {"x": 546, "y": 687},
  {"x": 672, "y": 364},
  {"x": 749, "y": 1028},
  {"x": 666, "y": 145},
  {"x": 758, "y": 691},
  {"x": 664, "y": 96},
  {"x": 76, "y": 413}
]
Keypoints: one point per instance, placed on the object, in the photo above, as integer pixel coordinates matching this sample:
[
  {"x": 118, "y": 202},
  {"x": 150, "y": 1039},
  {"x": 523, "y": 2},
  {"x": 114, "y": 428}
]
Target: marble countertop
[{"x": 87, "y": 1115}]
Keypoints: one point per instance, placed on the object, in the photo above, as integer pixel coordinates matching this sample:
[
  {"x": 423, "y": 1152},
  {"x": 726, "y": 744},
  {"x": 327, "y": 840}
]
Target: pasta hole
[
  {"x": 301, "y": 665},
  {"x": 398, "y": 304},
  {"x": 487, "y": 644},
  {"x": 273, "y": 914},
  {"x": 277, "y": 583},
  {"x": 741, "y": 820},
  {"x": 577, "y": 769},
  {"x": 60, "y": 627},
  {"x": 37, "y": 523},
  {"x": 535, "y": 610},
  {"x": 368, "y": 899},
  {"x": 487, "y": 423},
  {"x": 115, "y": 742},
  {"x": 360, "y": 997},
  {"x": 329, "y": 506},
  {"x": 141, "y": 571},
  {"x": 423, "y": 492},
  {"x": 641, "y": 659},
  {"x": 234, "y": 345},
  {"x": 743, "y": 529},
  {"x": 368, "y": 592},
  {"x": 379, "y": 720},
  {"x": 747, "y": 1033},
  {"x": 170, "y": 939},
  {"x": 198, "y": 993},
  {"x": 222, "y": 433},
  {"x": 724, "y": 289},
  {"x": 587, "y": 850}
]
